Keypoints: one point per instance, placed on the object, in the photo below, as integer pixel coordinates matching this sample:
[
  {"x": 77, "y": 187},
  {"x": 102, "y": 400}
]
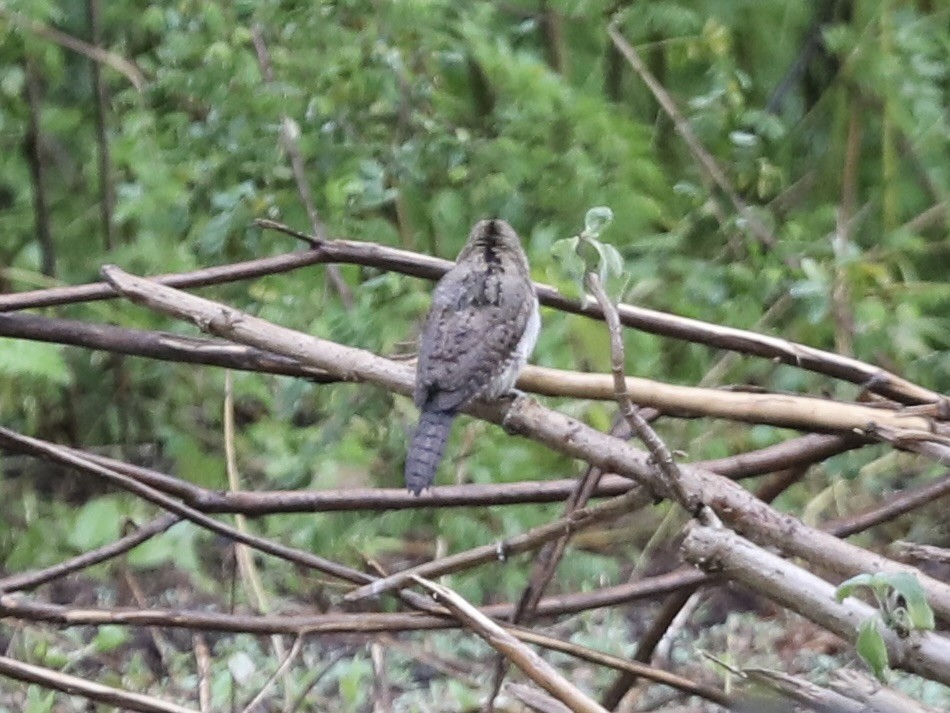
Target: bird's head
[{"x": 493, "y": 239}]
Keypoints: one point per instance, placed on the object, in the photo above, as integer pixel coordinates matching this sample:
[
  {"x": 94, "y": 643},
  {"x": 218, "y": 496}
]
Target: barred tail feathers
[{"x": 425, "y": 450}]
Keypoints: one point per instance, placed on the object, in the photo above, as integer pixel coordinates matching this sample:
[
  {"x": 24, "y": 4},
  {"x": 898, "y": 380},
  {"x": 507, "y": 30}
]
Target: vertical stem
[
  {"x": 34, "y": 158},
  {"x": 552, "y": 33},
  {"x": 888, "y": 136},
  {"x": 288, "y": 137},
  {"x": 106, "y": 189}
]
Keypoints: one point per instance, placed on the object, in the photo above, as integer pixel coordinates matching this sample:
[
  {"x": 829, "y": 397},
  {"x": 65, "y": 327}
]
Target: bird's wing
[{"x": 473, "y": 328}]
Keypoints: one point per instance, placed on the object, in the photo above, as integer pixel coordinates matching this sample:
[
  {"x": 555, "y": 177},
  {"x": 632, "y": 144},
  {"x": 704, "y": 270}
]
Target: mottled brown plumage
[{"x": 481, "y": 328}]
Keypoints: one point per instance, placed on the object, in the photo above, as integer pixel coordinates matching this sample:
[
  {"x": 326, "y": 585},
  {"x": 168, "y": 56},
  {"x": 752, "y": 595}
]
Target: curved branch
[{"x": 559, "y": 432}]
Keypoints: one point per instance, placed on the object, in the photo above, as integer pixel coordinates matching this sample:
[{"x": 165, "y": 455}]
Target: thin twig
[
  {"x": 621, "y": 664},
  {"x": 289, "y": 132},
  {"x": 253, "y": 586},
  {"x": 33, "y": 143},
  {"x": 533, "y": 666},
  {"x": 30, "y": 580},
  {"x": 282, "y": 670},
  {"x": 73, "y": 685},
  {"x": 870, "y": 377},
  {"x": 549, "y": 427},
  {"x": 705, "y": 160},
  {"x": 96, "y": 54},
  {"x": 106, "y": 184},
  {"x": 203, "y": 664},
  {"x": 658, "y": 449}
]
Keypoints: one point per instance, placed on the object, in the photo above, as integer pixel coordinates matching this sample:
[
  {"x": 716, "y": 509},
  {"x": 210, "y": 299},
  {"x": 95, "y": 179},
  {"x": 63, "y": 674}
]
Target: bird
[{"x": 480, "y": 330}]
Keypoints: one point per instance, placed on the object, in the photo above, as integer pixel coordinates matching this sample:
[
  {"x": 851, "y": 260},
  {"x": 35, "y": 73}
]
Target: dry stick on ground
[
  {"x": 916, "y": 552},
  {"x": 362, "y": 623},
  {"x": 203, "y": 664},
  {"x": 621, "y": 664},
  {"x": 361, "y": 253},
  {"x": 285, "y": 664},
  {"x": 106, "y": 183},
  {"x": 725, "y": 552},
  {"x": 559, "y": 432},
  {"x": 802, "y": 691},
  {"x": 382, "y": 695},
  {"x": 289, "y": 131},
  {"x": 533, "y": 666},
  {"x": 54, "y": 680},
  {"x": 873, "y": 696},
  {"x": 534, "y": 699},
  {"x": 16, "y": 606},
  {"x": 34, "y": 578},
  {"x": 647, "y": 644},
  {"x": 858, "y": 693}
]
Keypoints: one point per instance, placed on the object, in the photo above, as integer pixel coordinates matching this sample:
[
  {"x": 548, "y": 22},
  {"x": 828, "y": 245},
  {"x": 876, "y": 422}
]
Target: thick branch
[
  {"x": 782, "y": 410},
  {"x": 552, "y": 428},
  {"x": 723, "y": 551},
  {"x": 430, "y": 268}
]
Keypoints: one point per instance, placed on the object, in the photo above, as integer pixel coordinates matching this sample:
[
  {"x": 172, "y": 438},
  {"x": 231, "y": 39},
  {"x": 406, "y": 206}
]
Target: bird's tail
[{"x": 426, "y": 448}]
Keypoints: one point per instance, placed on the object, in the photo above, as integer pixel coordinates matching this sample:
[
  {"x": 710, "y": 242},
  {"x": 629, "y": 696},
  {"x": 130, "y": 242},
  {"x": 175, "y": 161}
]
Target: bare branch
[
  {"x": 557, "y": 431},
  {"x": 288, "y": 137},
  {"x": 96, "y": 54},
  {"x": 723, "y": 551},
  {"x": 870, "y": 377},
  {"x": 658, "y": 449},
  {"x": 707, "y": 163},
  {"x": 34, "y": 578},
  {"x": 533, "y": 666},
  {"x": 48, "y": 678}
]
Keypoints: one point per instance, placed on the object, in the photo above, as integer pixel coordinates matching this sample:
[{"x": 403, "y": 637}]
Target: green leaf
[
  {"x": 597, "y": 220},
  {"x": 847, "y": 587},
  {"x": 353, "y": 682},
  {"x": 97, "y": 524},
  {"x": 21, "y": 358},
  {"x": 920, "y": 615},
  {"x": 590, "y": 252},
  {"x": 870, "y": 647},
  {"x": 109, "y": 637},
  {"x": 613, "y": 261}
]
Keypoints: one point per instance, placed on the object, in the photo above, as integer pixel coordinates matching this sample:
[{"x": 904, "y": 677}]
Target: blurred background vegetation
[{"x": 415, "y": 119}]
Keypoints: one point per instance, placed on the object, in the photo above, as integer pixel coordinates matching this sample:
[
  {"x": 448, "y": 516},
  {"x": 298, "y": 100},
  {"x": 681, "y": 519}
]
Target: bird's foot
[{"x": 513, "y": 401}]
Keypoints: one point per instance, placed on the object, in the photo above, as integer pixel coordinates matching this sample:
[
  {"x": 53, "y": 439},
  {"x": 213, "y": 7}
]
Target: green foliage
[
  {"x": 870, "y": 647},
  {"x": 414, "y": 119},
  {"x": 903, "y": 607},
  {"x": 899, "y": 595}
]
